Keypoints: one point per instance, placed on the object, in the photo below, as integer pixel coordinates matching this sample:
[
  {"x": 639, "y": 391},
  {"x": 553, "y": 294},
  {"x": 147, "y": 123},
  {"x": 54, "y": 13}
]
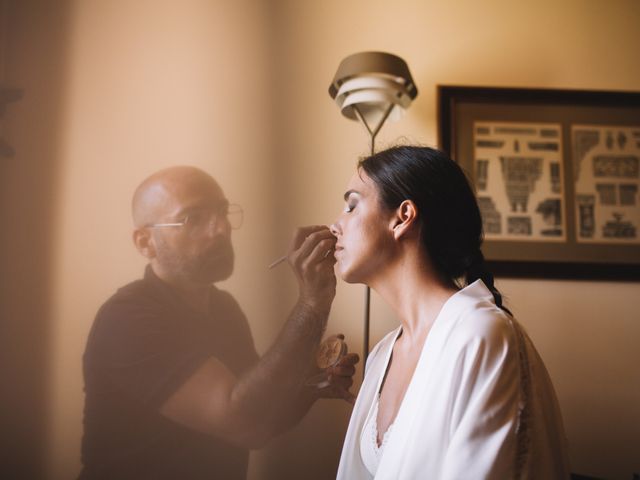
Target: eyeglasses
[{"x": 198, "y": 222}]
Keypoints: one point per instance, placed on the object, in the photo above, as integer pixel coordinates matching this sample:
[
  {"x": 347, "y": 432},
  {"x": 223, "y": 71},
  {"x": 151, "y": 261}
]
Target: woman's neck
[{"x": 416, "y": 293}]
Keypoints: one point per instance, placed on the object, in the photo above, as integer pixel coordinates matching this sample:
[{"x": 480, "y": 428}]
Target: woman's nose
[{"x": 334, "y": 229}]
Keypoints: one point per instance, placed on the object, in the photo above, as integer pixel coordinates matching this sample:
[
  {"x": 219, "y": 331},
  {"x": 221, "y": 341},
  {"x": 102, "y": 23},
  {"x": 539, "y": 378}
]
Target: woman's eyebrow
[{"x": 349, "y": 192}]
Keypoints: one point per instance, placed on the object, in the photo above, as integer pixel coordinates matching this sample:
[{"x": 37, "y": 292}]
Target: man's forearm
[
  {"x": 293, "y": 411},
  {"x": 278, "y": 378}
]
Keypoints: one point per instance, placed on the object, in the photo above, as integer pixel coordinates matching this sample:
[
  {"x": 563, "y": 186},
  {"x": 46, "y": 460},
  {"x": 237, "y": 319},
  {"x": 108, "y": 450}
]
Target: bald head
[{"x": 159, "y": 194}]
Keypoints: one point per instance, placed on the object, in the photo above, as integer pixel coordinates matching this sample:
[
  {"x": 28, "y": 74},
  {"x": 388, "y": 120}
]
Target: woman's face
[{"x": 363, "y": 231}]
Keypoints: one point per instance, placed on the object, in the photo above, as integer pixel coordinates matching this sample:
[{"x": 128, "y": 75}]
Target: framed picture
[{"x": 556, "y": 174}]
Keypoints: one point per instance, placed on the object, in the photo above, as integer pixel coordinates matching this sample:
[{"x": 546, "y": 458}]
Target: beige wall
[
  {"x": 239, "y": 88},
  {"x": 28, "y": 190}
]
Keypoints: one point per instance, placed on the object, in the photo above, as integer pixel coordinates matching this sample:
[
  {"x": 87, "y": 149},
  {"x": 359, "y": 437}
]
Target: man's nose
[{"x": 219, "y": 225}]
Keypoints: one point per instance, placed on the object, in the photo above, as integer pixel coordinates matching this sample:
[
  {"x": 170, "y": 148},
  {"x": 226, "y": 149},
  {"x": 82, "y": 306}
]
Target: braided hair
[{"x": 448, "y": 214}]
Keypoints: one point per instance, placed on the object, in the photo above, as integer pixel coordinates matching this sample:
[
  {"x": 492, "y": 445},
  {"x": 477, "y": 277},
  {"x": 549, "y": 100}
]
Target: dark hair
[{"x": 448, "y": 213}]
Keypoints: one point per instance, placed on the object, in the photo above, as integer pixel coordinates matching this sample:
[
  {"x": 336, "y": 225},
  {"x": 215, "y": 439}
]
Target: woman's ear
[
  {"x": 404, "y": 218},
  {"x": 144, "y": 242}
]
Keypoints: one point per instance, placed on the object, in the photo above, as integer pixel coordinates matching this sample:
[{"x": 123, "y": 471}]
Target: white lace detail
[{"x": 370, "y": 451}]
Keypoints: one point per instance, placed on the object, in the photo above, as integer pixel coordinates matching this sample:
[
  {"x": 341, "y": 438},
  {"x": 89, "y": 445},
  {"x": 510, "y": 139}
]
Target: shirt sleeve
[
  {"x": 485, "y": 403},
  {"x": 238, "y": 350},
  {"x": 142, "y": 352}
]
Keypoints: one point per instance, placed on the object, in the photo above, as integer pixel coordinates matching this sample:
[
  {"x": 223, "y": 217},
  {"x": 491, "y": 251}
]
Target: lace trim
[
  {"x": 523, "y": 427},
  {"x": 374, "y": 430}
]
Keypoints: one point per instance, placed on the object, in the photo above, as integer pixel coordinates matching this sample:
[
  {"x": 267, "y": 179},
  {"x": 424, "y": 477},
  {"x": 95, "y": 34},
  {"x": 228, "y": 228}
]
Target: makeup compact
[{"x": 329, "y": 353}]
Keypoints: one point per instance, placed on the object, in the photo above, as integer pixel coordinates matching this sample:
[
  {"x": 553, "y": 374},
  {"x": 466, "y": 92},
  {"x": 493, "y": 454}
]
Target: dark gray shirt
[{"x": 144, "y": 343}]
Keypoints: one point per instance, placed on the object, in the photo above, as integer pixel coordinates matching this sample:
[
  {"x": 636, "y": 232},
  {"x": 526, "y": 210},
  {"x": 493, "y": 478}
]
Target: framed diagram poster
[{"x": 556, "y": 174}]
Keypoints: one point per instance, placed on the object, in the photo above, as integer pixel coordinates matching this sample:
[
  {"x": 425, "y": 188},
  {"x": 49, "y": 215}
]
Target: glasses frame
[{"x": 213, "y": 221}]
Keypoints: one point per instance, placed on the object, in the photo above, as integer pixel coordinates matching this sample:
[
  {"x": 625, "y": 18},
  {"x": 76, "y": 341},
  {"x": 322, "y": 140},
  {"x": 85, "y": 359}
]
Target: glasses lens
[
  {"x": 235, "y": 216},
  {"x": 199, "y": 223}
]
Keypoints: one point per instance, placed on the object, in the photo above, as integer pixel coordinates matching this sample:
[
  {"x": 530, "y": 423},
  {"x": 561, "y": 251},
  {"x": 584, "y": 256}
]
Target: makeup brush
[{"x": 277, "y": 262}]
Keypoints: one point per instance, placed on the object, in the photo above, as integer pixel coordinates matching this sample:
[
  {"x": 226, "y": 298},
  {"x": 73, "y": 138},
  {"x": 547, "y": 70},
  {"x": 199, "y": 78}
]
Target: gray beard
[{"x": 213, "y": 265}]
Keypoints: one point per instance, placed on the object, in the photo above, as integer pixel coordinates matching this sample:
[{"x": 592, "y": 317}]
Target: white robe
[{"x": 480, "y": 403}]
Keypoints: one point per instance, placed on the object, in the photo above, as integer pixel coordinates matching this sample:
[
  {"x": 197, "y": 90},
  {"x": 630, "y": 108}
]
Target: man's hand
[
  {"x": 312, "y": 260},
  {"x": 340, "y": 377}
]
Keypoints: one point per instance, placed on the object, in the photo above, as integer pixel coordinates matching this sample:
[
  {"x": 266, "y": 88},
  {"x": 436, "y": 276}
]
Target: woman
[{"x": 458, "y": 390}]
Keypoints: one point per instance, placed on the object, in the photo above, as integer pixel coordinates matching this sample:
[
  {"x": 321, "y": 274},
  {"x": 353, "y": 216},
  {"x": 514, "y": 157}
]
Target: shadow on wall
[{"x": 33, "y": 48}]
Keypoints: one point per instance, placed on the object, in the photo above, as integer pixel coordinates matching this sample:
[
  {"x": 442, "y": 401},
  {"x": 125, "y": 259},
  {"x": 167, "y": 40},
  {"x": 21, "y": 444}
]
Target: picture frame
[{"x": 556, "y": 175}]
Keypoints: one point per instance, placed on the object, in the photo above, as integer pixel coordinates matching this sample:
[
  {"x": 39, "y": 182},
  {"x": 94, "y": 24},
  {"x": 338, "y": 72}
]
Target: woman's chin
[{"x": 347, "y": 275}]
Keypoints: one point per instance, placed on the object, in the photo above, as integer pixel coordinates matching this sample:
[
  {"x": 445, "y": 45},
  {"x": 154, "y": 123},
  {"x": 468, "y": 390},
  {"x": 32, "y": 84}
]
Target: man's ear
[
  {"x": 404, "y": 219},
  {"x": 144, "y": 242}
]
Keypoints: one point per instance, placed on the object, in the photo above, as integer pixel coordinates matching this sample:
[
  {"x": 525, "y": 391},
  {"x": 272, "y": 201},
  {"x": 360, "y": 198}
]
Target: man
[{"x": 174, "y": 387}]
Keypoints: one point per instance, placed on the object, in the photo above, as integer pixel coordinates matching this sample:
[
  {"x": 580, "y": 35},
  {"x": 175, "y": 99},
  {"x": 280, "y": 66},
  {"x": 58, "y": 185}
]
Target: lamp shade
[{"x": 373, "y": 84}]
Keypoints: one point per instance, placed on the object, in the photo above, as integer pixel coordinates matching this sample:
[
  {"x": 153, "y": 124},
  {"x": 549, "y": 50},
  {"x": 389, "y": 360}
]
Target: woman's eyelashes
[{"x": 349, "y": 207}]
